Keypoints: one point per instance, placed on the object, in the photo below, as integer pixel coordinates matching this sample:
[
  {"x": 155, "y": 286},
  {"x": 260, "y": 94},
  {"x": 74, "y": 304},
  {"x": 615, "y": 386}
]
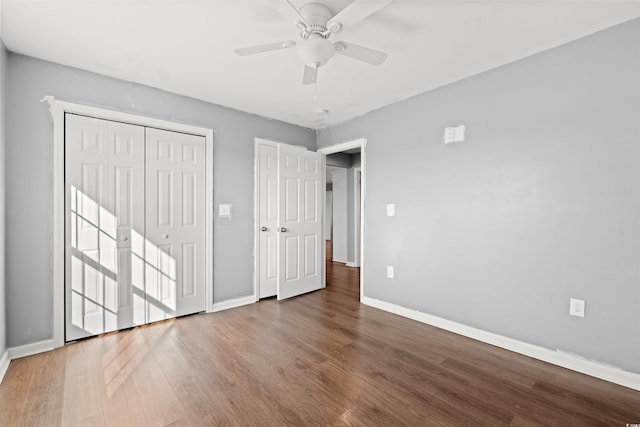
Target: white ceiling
[{"x": 186, "y": 47}]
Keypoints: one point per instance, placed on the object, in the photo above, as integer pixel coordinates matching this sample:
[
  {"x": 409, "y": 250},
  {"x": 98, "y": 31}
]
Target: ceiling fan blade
[
  {"x": 252, "y": 50},
  {"x": 288, "y": 10},
  {"x": 310, "y": 75},
  {"x": 361, "y": 53},
  {"x": 355, "y": 12}
]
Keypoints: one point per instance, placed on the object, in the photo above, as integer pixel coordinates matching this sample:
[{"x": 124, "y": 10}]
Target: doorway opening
[{"x": 344, "y": 211}]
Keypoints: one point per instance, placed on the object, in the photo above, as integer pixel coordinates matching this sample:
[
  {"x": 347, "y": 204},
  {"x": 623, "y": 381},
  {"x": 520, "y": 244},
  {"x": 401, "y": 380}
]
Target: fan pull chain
[{"x": 315, "y": 85}]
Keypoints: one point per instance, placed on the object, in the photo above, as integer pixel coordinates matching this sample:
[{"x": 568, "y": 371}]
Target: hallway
[{"x": 340, "y": 278}]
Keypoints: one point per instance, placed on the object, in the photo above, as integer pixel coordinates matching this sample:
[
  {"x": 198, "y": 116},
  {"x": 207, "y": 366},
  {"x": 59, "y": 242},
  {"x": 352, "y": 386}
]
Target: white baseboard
[
  {"x": 233, "y": 303},
  {"x": 4, "y": 364},
  {"x": 559, "y": 358},
  {"x": 13, "y": 353},
  {"x": 47, "y": 345},
  {"x": 30, "y": 349},
  {"x": 352, "y": 264}
]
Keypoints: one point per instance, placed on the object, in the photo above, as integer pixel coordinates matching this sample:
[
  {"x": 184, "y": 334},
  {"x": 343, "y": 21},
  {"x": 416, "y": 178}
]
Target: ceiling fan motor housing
[{"x": 316, "y": 16}]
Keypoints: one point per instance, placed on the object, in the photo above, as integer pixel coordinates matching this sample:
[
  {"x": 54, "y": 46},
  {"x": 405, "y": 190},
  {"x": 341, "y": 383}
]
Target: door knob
[
  {"x": 264, "y": 229},
  {"x": 166, "y": 236},
  {"x": 124, "y": 238},
  {"x": 283, "y": 230}
]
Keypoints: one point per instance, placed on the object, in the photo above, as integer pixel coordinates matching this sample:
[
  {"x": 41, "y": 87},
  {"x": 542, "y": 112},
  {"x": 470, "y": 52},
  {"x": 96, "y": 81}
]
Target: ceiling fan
[{"x": 317, "y": 24}]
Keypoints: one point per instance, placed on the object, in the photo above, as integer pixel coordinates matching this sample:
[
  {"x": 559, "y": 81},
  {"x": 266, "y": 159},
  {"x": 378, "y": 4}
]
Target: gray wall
[
  {"x": 29, "y": 172},
  {"x": 355, "y": 162},
  {"x": 3, "y": 320},
  {"x": 350, "y": 217},
  {"x": 341, "y": 160},
  {"x": 540, "y": 204}
]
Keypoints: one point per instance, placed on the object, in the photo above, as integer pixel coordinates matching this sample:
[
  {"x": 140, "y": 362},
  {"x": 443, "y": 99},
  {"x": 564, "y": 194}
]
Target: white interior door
[
  {"x": 300, "y": 241},
  {"x": 104, "y": 204},
  {"x": 174, "y": 244},
  {"x": 268, "y": 219}
]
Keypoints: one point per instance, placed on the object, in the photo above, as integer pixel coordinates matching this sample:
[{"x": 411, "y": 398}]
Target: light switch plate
[
  {"x": 224, "y": 210},
  {"x": 454, "y": 134},
  {"x": 391, "y": 209},
  {"x": 449, "y": 135}
]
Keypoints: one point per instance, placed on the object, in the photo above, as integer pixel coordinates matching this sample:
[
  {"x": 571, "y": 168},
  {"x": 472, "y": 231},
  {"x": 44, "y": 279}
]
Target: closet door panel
[
  {"x": 128, "y": 158},
  {"x": 175, "y": 172},
  {"x": 104, "y": 184}
]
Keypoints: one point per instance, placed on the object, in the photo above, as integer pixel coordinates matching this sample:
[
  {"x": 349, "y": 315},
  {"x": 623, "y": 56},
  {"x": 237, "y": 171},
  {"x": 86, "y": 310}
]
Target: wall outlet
[
  {"x": 390, "y": 272},
  {"x": 576, "y": 307}
]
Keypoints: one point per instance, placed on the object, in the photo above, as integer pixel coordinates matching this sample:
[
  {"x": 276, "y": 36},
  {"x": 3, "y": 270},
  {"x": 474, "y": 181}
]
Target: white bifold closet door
[
  {"x": 134, "y": 225},
  {"x": 174, "y": 244},
  {"x": 104, "y": 180}
]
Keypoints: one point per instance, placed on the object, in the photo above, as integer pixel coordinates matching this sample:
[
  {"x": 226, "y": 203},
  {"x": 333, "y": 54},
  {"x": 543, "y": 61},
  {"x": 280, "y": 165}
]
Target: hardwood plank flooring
[{"x": 318, "y": 359}]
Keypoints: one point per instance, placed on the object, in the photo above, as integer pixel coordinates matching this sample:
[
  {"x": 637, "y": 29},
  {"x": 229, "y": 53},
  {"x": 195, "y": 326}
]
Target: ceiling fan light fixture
[{"x": 315, "y": 51}]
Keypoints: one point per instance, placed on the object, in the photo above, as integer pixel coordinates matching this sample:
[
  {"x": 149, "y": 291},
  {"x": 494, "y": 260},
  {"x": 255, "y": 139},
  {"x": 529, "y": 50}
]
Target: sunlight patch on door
[{"x": 100, "y": 295}]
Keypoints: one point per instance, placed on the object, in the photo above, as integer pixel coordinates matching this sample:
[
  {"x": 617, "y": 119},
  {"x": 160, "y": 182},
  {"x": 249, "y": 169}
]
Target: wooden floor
[{"x": 319, "y": 359}]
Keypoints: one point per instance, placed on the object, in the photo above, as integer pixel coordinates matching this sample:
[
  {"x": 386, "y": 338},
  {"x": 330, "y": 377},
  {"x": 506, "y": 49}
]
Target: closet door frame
[{"x": 58, "y": 110}]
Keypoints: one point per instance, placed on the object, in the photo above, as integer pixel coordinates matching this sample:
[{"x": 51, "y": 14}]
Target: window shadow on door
[{"x": 114, "y": 283}]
